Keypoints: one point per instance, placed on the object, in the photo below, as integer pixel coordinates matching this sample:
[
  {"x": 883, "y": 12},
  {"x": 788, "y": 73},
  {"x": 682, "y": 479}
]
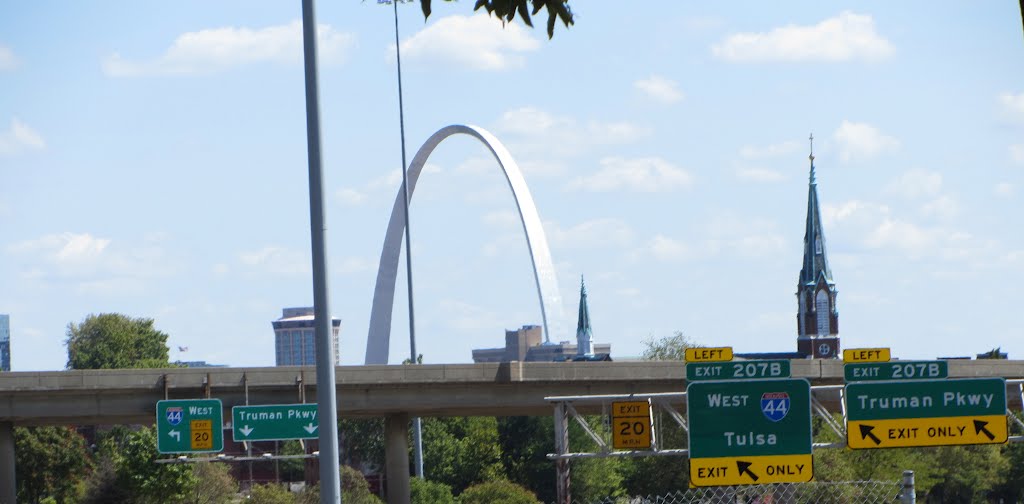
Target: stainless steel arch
[{"x": 378, "y": 340}]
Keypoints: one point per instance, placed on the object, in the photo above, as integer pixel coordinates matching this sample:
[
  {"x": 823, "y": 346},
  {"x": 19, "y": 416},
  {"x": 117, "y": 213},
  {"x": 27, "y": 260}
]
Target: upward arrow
[
  {"x": 979, "y": 427},
  {"x": 744, "y": 467}
]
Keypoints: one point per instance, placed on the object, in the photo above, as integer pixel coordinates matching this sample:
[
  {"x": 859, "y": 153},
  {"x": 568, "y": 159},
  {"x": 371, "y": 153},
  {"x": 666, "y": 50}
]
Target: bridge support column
[
  {"x": 7, "y": 489},
  {"x": 396, "y": 453}
]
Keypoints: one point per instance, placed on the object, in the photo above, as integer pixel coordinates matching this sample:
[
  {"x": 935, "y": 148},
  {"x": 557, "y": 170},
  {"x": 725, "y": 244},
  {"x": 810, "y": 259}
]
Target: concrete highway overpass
[{"x": 396, "y": 392}]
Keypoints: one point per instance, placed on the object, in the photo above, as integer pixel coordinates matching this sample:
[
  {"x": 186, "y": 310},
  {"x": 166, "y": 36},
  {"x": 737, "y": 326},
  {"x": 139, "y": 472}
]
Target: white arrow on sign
[
  {"x": 246, "y": 430},
  {"x": 175, "y": 434},
  {"x": 310, "y": 428}
]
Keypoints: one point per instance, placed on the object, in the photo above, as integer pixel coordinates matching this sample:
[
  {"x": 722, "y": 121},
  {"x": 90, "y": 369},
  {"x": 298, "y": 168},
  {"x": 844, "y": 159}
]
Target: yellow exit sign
[
  {"x": 867, "y": 355},
  {"x": 631, "y": 425},
  {"x": 718, "y": 354}
]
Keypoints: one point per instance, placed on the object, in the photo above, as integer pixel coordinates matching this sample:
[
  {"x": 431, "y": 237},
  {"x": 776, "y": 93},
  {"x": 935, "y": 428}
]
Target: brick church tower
[{"x": 817, "y": 316}]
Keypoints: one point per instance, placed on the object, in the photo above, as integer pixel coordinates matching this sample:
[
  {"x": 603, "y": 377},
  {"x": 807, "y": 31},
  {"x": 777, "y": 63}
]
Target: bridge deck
[{"x": 492, "y": 389}]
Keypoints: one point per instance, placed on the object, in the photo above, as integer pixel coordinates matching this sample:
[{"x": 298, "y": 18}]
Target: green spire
[{"x": 584, "y": 335}]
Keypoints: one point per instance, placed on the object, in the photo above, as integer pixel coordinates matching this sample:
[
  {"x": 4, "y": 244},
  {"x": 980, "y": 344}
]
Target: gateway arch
[{"x": 379, "y": 337}]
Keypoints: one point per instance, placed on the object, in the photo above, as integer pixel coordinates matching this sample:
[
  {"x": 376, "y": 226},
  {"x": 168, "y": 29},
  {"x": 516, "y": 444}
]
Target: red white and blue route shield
[{"x": 775, "y": 405}]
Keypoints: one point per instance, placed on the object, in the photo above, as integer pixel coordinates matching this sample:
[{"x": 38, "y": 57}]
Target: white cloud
[
  {"x": 350, "y": 197},
  {"x": 277, "y": 260},
  {"x": 350, "y": 265},
  {"x": 1013, "y": 104},
  {"x": 664, "y": 248},
  {"x": 64, "y": 248},
  {"x": 20, "y": 137},
  {"x": 217, "y": 49},
  {"x": 862, "y": 140},
  {"x": 1017, "y": 153},
  {"x": 589, "y": 234},
  {"x": 539, "y": 132},
  {"x": 774, "y": 150},
  {"x": 7, "y": 59},
  {"x": 916, "y": 183},
  {"x": 660, "y": 89},
  {"x": 759, "y": 175},
  {"x": 943, "y": 207},
  {"x": 1003, "y": 189},
  {"x": 92, "y": 264},
  {"x": 505, "y": 219},
  {"x": 479, "y": 42},
  {"x": 640, "y": 174},
  {"x": 846, "y": 37},
  {"x": 468, "y": 317},
  {"x": 873, "y": 225}
]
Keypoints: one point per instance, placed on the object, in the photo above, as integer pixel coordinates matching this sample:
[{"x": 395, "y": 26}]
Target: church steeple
[
  {"x": 584, "y": 335},
  {"x": 817, "y": 317}
]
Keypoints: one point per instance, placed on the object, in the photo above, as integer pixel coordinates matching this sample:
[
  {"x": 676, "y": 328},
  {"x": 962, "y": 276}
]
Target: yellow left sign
[
  {"x": 631, "y": 425},
  {"x": 756, "y": 470},
  {"x": 715, "y": 354}
]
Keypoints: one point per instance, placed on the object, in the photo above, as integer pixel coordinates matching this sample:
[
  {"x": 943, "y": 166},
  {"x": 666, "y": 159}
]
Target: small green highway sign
[
  {"x": 274, "y": 422},
  {"x": 926, "y": 413},
  {"x": 749, "y": 432},
  {"x": 189, "y": 426},
  {"x": 737, "y": 370},
  {"x": 896, "y": 370}
]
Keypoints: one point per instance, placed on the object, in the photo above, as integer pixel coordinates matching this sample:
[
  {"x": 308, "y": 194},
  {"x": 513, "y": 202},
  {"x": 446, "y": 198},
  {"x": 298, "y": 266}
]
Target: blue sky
[{"x": 153, "y": 163}]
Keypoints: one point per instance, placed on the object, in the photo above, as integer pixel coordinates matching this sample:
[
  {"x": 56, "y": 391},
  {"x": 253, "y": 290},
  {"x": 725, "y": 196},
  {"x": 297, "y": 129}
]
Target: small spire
[
  {"x": 584, "y": 334},
  {"x": 811, "y": 157}
]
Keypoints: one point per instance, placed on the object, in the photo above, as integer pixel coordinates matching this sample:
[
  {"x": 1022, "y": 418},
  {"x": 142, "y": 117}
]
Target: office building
[
  {"x": 294, "y": 338},
  {"x": 5, "y": 342}
]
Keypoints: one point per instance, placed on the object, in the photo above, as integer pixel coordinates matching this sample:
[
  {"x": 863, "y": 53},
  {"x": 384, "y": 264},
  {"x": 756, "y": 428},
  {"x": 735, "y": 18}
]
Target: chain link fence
[{"x": 844, "y": 492}]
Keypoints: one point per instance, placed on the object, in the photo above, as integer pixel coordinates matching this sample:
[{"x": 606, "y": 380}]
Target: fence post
[{"x": 908, "y": 494}]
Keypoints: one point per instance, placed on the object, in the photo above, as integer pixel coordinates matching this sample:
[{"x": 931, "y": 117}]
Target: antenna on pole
[{"x": 413, "y": 357}]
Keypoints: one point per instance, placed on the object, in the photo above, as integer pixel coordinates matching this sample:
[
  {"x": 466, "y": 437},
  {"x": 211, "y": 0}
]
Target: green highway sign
[
  {"x": 737, "y": 370},
  {"x": 189, "y": 426},
  {"x": 274, "y": 422},
  {"x": 896, "y": 370},
  {"x": 749, "y": 432},
  {"x": 926, "y": 413}
]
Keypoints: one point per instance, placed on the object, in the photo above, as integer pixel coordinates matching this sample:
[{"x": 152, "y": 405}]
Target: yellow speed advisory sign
[
  {"x": 941, "y": 431},
  {"x": 718, "y": 354},
  {"x": 631, "y": 425},
  {"x": 202, "y": 434},
  {"x": 761, "y": 469}
]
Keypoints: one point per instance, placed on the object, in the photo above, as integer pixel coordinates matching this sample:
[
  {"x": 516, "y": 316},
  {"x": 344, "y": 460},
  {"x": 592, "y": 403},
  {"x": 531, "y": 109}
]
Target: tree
[
  {"x": 507, "y": 10},
  {"x": 497, "y": 492},
  {"x": 137, "y": 478},
  {"x": 50, "y": 462},
  {"x": 115, "y": 341},
  {"x": 525, "y": 443},
  {"x": 270, "y": 494},
  {"x": 214, "y": 484},
  {"x": 462, "y": 451},
  {"x": 422, "y": 491},
  {"x": 667, "y": 348},
  {"x": 354, "y": 490}
]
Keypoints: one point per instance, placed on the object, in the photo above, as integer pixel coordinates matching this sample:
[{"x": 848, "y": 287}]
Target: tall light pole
[
  {"x": 326, "y": 399},
  {"x": 417, "y": 424}
]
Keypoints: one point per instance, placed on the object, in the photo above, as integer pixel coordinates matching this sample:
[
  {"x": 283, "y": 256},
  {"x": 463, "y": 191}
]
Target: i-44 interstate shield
[{"x": 926, "y": 413}]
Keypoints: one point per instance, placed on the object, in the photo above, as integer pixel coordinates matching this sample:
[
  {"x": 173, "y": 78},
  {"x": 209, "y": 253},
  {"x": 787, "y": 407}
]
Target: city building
[
  {"x": 5, "y": 342},
  {"x": 526, "y": 344},
  {"x": 294, "y": 338}
]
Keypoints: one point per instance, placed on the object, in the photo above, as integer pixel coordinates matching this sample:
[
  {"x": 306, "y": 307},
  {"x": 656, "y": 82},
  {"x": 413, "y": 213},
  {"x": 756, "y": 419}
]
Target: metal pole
[
  {"x": 909, "y": 494},
  {"x": 330, "y": 470},
  {"x": 417, "y": 425},
  {"x": 8, "y": 489}
]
